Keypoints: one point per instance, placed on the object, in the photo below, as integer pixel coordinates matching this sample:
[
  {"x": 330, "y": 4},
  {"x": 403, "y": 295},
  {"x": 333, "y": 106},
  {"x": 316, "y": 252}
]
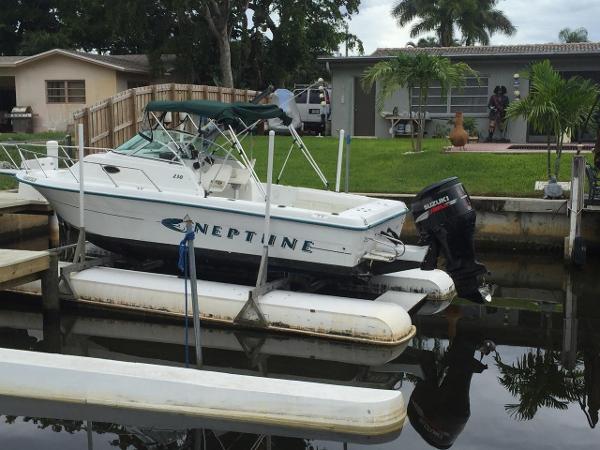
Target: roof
[
  {"x": 481, "y": 51},
  {"x": 121, "y": 63},
  {"x": 221, "y": 112}
]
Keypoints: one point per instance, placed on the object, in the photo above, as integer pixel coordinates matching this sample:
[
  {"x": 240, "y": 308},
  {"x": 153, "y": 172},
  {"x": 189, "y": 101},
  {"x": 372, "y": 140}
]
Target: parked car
[{"x": 311, "y": 110}]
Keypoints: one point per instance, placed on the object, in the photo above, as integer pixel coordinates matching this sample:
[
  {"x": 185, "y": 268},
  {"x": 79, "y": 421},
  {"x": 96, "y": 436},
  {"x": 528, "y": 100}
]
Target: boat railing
[
  {"x": 20, "y": 156},
  {"x": 15, "y": 152}
]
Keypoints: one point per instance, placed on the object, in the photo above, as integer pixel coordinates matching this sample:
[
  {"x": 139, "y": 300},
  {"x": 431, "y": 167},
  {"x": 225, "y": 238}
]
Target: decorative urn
[{"x": 458, "y": 136}]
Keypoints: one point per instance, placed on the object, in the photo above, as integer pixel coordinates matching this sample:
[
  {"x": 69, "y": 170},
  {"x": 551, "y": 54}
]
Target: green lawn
[
  {"x": 380, "y": 165},
  {"x": 27, "y": 137}
]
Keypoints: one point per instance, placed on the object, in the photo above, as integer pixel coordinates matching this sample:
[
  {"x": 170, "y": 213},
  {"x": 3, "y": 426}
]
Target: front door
[{"x": 364, "y": 110}]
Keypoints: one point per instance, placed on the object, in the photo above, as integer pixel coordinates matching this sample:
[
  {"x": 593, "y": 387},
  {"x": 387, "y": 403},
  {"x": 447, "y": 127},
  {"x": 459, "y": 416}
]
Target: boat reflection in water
[
  {"x": 545, "y": 368},
  {"x": 439, "y": 406}
]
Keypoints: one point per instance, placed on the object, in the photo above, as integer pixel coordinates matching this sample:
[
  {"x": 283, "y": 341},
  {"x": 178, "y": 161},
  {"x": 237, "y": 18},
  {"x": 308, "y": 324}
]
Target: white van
[{"x": 309, "y": 105}]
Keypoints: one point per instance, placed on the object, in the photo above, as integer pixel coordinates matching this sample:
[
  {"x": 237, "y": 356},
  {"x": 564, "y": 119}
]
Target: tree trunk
[
  {"x": 559, "y": 145},
  {"x": 597, "y": 148},
  {"x": 549, "y": 163},
  {"x": 217, "y": 17},
  {"x": 423, "y": 93},
  {"x": 419, "y": 121},
  {"x": 225, "y": 61},
  {"x": 410, "y": 121}
]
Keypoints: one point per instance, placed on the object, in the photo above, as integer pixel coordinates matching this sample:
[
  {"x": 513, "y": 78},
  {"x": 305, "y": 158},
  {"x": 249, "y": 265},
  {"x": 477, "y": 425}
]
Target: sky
[{"x": 537, "y": 21}]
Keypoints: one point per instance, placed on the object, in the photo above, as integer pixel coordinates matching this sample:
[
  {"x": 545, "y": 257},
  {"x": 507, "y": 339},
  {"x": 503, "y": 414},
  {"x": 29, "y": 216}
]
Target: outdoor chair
[{"x": 593, "y": 176}]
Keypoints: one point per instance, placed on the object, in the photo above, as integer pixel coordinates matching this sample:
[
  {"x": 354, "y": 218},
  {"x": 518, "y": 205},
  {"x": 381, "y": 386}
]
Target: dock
[
  {"x": 18, "y": 267},
  {"x": 104, "y": 390},
  {"x": 12, "y": 203}
]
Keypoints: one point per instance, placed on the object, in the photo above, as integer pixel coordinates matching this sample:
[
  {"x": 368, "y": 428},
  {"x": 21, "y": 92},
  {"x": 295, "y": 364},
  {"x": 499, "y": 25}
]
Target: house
[
  {"x": 354, "y": 109},
  {"x": 58, "y": 82}
]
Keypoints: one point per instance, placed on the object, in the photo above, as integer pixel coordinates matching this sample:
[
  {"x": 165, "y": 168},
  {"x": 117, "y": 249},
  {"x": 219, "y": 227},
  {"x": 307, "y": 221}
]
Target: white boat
[{"x": 137, "y": 196}]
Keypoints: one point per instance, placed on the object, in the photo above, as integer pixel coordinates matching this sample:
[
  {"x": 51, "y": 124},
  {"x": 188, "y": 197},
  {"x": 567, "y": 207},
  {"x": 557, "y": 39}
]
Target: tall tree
[
  {"x": 221, "y": 17},
  {"x": 477, "y": 20},
  {"x": 35, "y": 22},
  {"x": 301, "y": 31},
  {"x": 566, "y": 35},
  {"x": 419, "y": 72}
]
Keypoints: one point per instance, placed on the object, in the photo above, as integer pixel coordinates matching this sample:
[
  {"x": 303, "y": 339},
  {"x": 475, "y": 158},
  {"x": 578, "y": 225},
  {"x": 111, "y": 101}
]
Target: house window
[
  {"x": 472, "y": 99},
  {"x": 65, "y": 91}
]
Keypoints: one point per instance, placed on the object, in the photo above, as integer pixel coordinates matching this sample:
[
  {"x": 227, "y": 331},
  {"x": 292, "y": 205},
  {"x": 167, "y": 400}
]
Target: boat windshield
[{"x": 164, "y": 145}]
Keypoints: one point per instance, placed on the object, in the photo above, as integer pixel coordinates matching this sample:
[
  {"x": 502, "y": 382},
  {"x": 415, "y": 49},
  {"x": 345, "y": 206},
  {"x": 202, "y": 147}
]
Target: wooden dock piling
[{"x": 18, "y": 267}]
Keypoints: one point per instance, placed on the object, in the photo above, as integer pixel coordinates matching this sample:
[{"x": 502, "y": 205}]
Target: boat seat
[
  {"x": 241, "y": 175},
  {"x": 216, "y": 178}
]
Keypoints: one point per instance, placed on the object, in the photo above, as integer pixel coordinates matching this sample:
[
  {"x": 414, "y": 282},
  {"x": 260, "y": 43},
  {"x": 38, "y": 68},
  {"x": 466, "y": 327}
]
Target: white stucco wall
[
  {"x": 100, "y": 83},
  {"x": 500, "y": 72}
]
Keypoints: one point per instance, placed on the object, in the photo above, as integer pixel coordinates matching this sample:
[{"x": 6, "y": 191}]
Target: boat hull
[{"x": 155, "y": 228}]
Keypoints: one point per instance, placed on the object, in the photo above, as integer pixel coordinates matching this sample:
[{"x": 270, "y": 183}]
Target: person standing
[{"x": 497, "y": 106}]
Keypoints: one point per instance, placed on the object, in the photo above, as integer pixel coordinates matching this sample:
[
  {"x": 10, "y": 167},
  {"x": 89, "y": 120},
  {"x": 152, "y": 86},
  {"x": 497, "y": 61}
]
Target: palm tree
[
  {"x": 477, "y": 20},
  {"x": 554, "y": 106},
  {"x": 418, "y": 71},
  {"x": 426, "y": 42},
  {"x": 567, "y": 35},
  {"x": 434, "y": 15}
]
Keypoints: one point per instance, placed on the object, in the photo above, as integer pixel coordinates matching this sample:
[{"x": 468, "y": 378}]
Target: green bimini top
[{"x": 222, "y": 112}]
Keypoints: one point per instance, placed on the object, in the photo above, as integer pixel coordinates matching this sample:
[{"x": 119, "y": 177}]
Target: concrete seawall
[
  {"x": 507, "y": 223},
  {"x": 16, "y": 227},
  {"x": 503, "y": 223}
]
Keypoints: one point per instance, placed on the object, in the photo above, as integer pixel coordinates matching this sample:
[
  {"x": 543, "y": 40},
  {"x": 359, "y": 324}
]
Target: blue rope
[
  {"x": 182, "y": 264},
  {"x": 187, "y": 344}
]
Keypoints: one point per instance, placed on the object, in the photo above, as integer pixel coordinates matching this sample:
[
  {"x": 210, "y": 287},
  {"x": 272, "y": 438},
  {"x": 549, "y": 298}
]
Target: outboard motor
[{"x": 445, "y": 221}]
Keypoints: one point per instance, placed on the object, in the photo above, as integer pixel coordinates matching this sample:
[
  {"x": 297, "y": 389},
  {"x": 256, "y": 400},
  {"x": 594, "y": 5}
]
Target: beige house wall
[{"x": 100, "y": 83}]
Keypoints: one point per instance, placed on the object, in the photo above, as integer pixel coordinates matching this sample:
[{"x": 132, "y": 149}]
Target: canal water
[{"x": 521, "y": 372}]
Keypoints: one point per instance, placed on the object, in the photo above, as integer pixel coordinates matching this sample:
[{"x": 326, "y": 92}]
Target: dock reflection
[{"x": 546, "y": 357}]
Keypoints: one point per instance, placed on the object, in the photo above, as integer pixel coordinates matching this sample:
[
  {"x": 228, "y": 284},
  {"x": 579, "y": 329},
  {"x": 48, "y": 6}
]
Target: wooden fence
[{"x": 111, "y": 122}]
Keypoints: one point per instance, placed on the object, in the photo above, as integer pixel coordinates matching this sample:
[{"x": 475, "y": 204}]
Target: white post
[
  {"x": 53, "y": 228},
  {"x": 262, "y": 273},
  {"x": 577, "y": 179},
  {"x": 80, "y": 249},
  {"x": 338, "y": 173},
  {"x": 81, "y": 156},
  {"x": 52, "y": 152}
]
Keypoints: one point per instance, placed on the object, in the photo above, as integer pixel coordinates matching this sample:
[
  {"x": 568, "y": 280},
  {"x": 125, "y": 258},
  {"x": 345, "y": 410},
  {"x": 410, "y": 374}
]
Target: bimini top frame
[{"x": 230, "y": 116}]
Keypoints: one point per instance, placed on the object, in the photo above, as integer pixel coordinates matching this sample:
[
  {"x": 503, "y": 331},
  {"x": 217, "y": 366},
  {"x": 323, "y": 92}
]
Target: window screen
[{"x": 65, "y": 91}]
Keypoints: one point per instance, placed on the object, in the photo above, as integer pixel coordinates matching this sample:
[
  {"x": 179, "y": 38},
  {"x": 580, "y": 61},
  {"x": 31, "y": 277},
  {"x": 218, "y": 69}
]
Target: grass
[
  {"x": 382, "y": 165},
  {"x": 32, "y": 137}
]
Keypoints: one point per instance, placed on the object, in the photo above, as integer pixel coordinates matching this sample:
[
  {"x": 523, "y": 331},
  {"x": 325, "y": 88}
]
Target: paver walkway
[{"x": 516, "y": 148}]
